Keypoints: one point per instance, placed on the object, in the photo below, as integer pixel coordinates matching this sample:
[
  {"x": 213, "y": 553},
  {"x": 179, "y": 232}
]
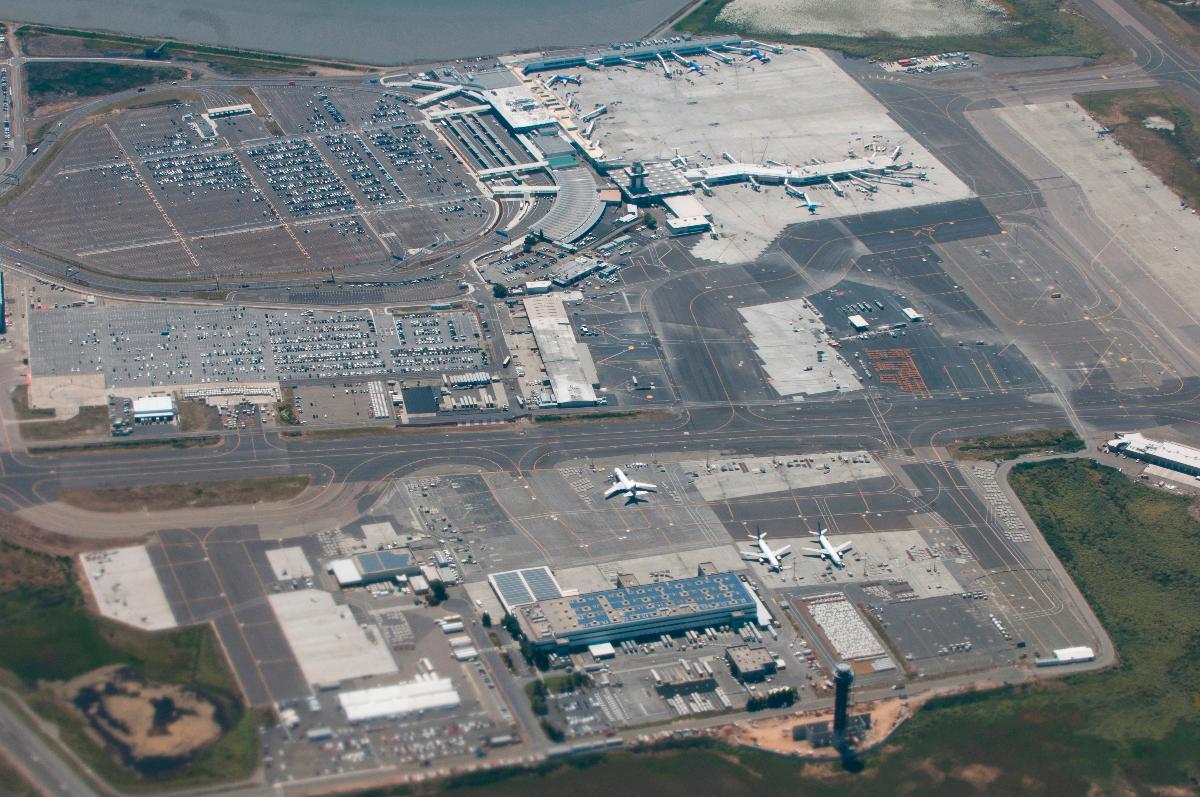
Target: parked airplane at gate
[
  {"x": 764, "y": 554},
  {"x": 632, "y": 489},
  {"x": 828, "y": 550}
]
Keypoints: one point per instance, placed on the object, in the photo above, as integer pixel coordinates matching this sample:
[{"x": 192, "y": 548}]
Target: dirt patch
[
  {"x": 153, "y": 727},
  {"x": 197, "y": 416},
  {"x": 978, "y": 775},
  {"x": 21, "y": 568},
  {"x": 191, "y": 495},
  {"x": 90, "y": 422},
  {"x": 775, "y": 733},
  {"x": 20, "y": 401}
]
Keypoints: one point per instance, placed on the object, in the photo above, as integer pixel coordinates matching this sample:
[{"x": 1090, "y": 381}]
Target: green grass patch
[
  {"x": 50, "y": 80},
  {"x": 1010, "y": 446},
  {"x": 623, "y": 415},
  {"x": 190, "y": 495},
  {"x": 50, "y": 636},
  {"x": 1172, "y": 154},
  {"x": 20, "y": 401},
  {"x": 1040, "y": 27},
  {"x": 131, "y": 445},
  {"x": 88, "y": 421}
]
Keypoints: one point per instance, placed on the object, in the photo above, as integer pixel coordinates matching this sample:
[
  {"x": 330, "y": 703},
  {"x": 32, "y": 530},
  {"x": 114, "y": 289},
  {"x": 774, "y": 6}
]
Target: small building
[
  {"x": 154, "y": 409},
  {"x": 1075, "y": 655},
  {"x": 373, "y": 567},
  {"x": 418, "y": 585},
  {"x": 602, "y": 650},
  {"x": 859, "y": 323},
  {"x": 912, "y": 315},
  {"x": 578, "y": 269},
  {"x": 685, "y": 678},
  {"x": 534, "y": 287},
  {"x": 225, "y": 111},
  {"x": 426, "y": 693},
  {"x": 687, "y": 215},
  {"x": 1174, "y": 456},
  {"x": 750, "y": 664}
]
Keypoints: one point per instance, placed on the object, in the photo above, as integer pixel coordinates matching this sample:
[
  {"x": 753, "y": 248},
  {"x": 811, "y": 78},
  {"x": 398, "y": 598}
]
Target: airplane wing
[
  {"x": 616, "y": 488},
  {"x": 650, "y": 488},
  {"x": 784, "y": 551},
  {"x": 845, "y": 546},
  {"x": 814, "y": 552},
  {"x": 751, "y": 556}
]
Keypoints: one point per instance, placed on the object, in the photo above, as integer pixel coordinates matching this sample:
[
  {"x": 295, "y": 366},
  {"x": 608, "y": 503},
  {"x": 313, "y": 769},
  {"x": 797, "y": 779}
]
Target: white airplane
[
  {"x": 828, "y": 550},
  {"x": 763, "y": 554},
  {"x": 624, "y": 484}
]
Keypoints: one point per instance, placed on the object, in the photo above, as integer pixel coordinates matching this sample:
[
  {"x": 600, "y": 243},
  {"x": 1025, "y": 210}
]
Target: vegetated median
[
  {"x": 48, "y": 81},
  {"x": 1158, "y": 129},
  {"x": 191, "y": 495},
  {"x": 1000, "y": 447},
  {"x": 1135, "y": 554},
  {"x": 46, "y": 41},
  {"x": 1036, "y": 27},
  {"x": 142, "y": 444},
  {"x": 51, "y": 640}
]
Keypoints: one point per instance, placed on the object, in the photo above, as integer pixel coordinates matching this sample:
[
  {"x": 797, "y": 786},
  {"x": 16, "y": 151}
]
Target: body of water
[{"x": 369, "y": 31}]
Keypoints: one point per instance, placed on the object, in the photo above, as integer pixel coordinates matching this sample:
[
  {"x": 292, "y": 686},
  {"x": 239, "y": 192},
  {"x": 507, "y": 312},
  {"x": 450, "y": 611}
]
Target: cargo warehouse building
[
  {"x": 1173, "y": 456},
  {"x": 573, "y": 623}
]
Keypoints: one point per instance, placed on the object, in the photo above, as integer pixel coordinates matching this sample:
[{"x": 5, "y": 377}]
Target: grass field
[
  {"x": 1000, "y": 447},
  {"x": 50, "y": 636},
  {"x": 1041, "y": 27},
  {"x": 193, "y": 495},
  {"x": 1171, "y": 154},
  {"x": 1133, "y": 730},
  {"x": 89, "y": 421},
  {"x": 51, "y": 80}
]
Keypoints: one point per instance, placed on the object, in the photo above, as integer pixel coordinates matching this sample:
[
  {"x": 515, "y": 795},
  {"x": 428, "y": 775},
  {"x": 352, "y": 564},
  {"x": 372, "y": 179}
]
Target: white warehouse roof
[
  {"x": 1134, "y": 444},
  {"x": 346, "y": 572},
  {"x": 568, "y": 362},
  {"x": 153, "y": 406},
  {"x": 686, "y": 206},
  {"x": 426, "y": 693}
]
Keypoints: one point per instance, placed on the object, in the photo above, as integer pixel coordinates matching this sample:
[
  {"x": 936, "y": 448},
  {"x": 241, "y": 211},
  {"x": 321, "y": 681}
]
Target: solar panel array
[
  {"x": 383, "y": 562},
  {"x": 647, "y": 601},
  {"x": 541, "y": 583},
  {"x": 525, "y": 586}
]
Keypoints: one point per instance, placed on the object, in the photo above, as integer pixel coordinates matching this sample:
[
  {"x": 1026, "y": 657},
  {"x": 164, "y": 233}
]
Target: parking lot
[
  {"x": 357, "y": 183},
  {"x": 159, "y": 345}
]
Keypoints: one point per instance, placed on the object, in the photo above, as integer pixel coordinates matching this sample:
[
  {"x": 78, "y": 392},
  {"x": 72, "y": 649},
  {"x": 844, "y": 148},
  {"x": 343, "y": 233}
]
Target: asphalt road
[
  {"x": 866, "y": 421},
  {"x": 36, "y": 760}
]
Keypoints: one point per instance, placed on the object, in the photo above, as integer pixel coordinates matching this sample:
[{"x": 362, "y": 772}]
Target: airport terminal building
[{"x": 573, "y": 623}]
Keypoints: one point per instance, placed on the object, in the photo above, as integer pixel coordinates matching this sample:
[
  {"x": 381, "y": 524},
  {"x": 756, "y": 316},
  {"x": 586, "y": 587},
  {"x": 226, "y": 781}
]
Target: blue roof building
[{"x": 614, "y": 615}]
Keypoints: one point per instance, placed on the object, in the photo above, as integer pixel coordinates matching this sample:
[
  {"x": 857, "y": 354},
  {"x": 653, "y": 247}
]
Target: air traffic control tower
[{"x": 843, "y": 676}]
